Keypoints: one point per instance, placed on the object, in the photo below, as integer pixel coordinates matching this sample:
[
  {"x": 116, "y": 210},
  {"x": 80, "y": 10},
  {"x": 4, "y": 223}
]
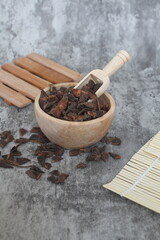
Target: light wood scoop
[{"x": 102, "y": 76}]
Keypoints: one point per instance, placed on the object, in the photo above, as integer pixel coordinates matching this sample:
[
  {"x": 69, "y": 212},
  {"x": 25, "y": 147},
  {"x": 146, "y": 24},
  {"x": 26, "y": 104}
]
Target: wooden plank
[
  {"x": 18, "y": 84},
  {"x": 8, "y": 103},
  {"x": 41, "y": 71},
  {"x": 25, "y": 75},
  {"x": 71, "y": 74},
  {"x": 13, "y": 97}
]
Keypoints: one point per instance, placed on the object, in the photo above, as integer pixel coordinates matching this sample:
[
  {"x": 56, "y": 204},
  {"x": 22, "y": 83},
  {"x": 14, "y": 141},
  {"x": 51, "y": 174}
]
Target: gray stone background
[{"x": 83, "y": 35}]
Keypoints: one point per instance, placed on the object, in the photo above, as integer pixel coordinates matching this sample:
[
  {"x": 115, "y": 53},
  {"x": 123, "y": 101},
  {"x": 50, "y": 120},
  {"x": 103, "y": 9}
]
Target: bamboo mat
[
  {"x": 139, "y": 180},
  {"x": 21, "y": 81}
]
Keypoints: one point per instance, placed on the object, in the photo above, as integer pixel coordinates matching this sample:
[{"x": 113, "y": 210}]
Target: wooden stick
[
  {"x": 143, "y": 167},
  {"x": 153, "y": 150},
  {"x": 146, "y": 154},
  {"x": 14, "y": 97},
  {"x": 147, "y": 162},
  {"x": 145, "y": 181},
  {"x": 131, "y": 171},
  {"x": 8, "y": 103},
  {"x": 137, "y": 194},
  {"x": 137, "y": 190},
  {"x": 146, "y": 184},
  {"x": 73, "y": 75},
  {"x": 41, "y": 71},
  {"x": 144, "y": 158},
  {"x": 25, "y": 75},
  {"x": 18, "y": 84},
  {"x": 134, "y": 169},
  {"x": 142, "y": 185}
]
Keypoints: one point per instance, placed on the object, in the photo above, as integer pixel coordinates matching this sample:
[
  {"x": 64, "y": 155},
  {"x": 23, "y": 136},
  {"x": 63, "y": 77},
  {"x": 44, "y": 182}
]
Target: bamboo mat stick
[
  {"x": 142, "y": 184},
  {"x": 139, "y": 180},
  {"x": 136, "y": 194},
  {"x": 147, "y": 162},
  {"x": 146, "y": 181},
  {"x": 137, "y": 174},
  {"x": 137, "y": 197},
  {"x": 142, "y": 165},
  {"x": 141, "y": 189},
  {"x": 138, "y": 190},
  {"x": 154, "y": 150},
  {"x": 143, "y": 168},
  {"x": 130, "y": 169},
  {"x": 147, "y": 178}
]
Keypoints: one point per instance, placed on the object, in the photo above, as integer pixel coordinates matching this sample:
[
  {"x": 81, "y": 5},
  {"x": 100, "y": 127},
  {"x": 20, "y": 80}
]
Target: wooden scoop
[{"x": 102, "y": 76}]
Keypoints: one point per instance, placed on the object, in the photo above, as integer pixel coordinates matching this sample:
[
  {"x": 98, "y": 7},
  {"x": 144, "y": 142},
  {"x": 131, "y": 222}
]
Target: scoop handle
[{"x": 116, "y": 62}]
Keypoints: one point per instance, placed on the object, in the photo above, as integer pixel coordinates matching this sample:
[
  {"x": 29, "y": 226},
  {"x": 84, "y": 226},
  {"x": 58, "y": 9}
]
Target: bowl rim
[{"x": 51, "y": 118}]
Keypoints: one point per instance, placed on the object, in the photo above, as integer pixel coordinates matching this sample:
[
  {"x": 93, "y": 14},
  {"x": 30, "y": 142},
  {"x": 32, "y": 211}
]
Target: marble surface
[{"x": 83, "y": 35}]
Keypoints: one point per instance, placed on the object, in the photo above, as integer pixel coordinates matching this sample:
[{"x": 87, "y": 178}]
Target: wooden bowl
[{"x": 70, "y": 134}]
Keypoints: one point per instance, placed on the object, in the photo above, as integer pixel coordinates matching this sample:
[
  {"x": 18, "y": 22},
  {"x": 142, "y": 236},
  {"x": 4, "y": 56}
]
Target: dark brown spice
[
  {"x": 58, "y": 179},
  {"x": 55, "y": 172},
  {"x": 4, "y": 164},
  {"x": 74, "y": 152},
  {"x": 116, "y": 141},
  {"x": 22, "y": 132},
  {"x": 108, "y": 139},
  {"x": 10, "y": 138},
  {"x": 9, "y": 157},
  {"x": 59, "y": 151},
  {"x": 104, "y": 156},
  {"x": 3, "y": 143},
  {"x": 52, "y": 179},
  {"x": 35, "y": 168},
  {"x": 14, "y": 151},
  {"x": 56, "y": 159},
  {"x": 35, "y": 130},
  {"x": 34, "y": 172},
  {"x": 34, "y": 137},
  {"x": 50, "y": 148},
  {"x": 39, "y": 138},
  {"x": 81, "y": 165},
  {"x": 21, "y": 140},
  {"x": 47, "y": 166},
  {"x": 85, "y": 149},
  {"x": 5, "y": 138},
  {"x": 112, "y": 140},
  {"x": 62, "y": 177},
  {"x": 61, "y": 106},
  {"x": 47, "y": 149},
  {"x": 22, "y": 160},
  {"x": 46, "y": 154},
  {"x": 114, "y": 155},
  {"x": 12, "y": 163},
  {"x": 72, "y": 104},
  {"x": 5, "y": 134},
  {"x": 41, "y": 161},
  {"x": 97, "y": 154}
]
